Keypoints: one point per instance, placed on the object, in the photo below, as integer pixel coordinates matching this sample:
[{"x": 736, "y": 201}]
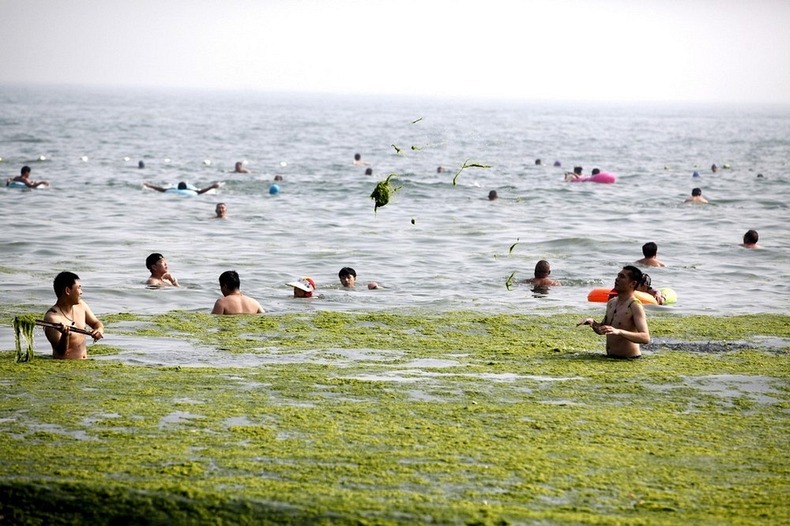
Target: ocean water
[{"x": 435, "y": 247}]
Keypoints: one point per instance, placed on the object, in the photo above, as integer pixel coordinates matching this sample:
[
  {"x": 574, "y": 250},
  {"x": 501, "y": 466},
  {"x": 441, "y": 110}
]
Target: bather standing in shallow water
[{"x": 625, "y": 323}]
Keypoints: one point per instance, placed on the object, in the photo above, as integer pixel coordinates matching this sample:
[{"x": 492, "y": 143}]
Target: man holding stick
[{"x": 67, "y": 320}]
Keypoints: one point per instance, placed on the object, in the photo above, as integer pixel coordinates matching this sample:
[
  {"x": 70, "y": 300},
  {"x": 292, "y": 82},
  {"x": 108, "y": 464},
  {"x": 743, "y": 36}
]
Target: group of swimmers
[{"x": 69, "y": 318}]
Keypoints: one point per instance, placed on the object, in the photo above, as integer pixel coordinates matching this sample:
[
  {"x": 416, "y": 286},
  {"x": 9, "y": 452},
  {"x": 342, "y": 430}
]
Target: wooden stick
[{"x": 59, "y": 325}]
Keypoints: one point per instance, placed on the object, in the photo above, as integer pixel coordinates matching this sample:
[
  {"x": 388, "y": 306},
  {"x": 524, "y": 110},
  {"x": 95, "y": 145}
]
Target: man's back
[{"x": 236, "y": 304}]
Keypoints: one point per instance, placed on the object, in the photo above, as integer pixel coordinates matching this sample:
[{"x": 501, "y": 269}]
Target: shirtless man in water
[
  {"x": 624, "y": 324},
  {"x": 70, "y": 311},
  {"x": 232, "y": 300},
  {"x": 160, "y": 276}
]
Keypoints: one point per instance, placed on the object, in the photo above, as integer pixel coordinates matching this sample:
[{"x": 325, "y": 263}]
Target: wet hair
[
  {"x": 24, "y": 170},
  {"x": 368, "y": 171},
  {"x": 696, "y": 191},
  {"x": 650, "y": 249},
  {"x": 492, "y": 195},
  {"x": 750, "y": 237},
  {"x": 278, "y": 177},
  {"x": 63, "y": 281},
  {"x": 357, "y": 157},
  {"x": 151, "y": 260},
  {"x": 542, "y": 269},
  {"x": 230, "y": 280},
  {"x": 141, "y": 164},
  {"x": 647, "y": 281},
  {"x": 577, "y": 170},
  {"x": 182, "y": 186},
  {"x": 347, "y": 271},
  {"x": 635, "y": 273},
  {"x": 596, "y": 171},
  {"x": 538, "y": 162}
]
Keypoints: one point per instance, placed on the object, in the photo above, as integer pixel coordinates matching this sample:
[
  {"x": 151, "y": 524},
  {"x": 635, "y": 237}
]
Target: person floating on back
[
  {"x": 183, "y": 186},
  {"x": 625, "y": 323},
  {"x": 649, "y": 250},
  {"x": 232, "y": 300}
]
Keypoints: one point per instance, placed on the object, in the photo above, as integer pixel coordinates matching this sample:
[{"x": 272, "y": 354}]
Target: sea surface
[{"x": 436, "y": 247}]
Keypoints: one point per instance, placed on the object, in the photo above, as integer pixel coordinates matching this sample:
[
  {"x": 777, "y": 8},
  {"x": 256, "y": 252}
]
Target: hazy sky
[{"x": 618, "y": 50}]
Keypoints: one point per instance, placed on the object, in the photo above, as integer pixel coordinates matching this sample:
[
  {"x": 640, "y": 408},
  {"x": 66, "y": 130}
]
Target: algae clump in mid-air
[{"x": 383, "y": 191}]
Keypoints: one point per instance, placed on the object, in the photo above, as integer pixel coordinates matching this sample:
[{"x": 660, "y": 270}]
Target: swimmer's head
[
  {"x": 368, "y": 171},
  {"x": 696, "y": 192},
  {"x": 750, "y": 237},
  {"x": 538, "y": 162},
  {"x": 492, "y": 195},
  {"x": 695, "y": 174},
  {"x": 357, "y": 157},
  {"x": 649, "y": 250},
  {"x": 182, "y": 186},
  {"x": 25, "y": 170},
  {"x": 577, "y": 170},
  {"x": 140, "y": 164},
  {"x": 542, "y": 269},
  {"x": 596, "y": 171},
  {"x": 153, "y": 259}
]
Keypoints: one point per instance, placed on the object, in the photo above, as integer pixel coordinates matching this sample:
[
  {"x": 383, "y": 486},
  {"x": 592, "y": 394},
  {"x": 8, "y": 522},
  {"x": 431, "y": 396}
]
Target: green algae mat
[{"x": 384, "y": 418}]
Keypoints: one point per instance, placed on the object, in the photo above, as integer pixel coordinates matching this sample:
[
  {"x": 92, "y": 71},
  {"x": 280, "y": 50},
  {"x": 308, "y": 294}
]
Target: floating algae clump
[
  {"x": 24, "y": 325},
  {"x": 382, "y": 193}
]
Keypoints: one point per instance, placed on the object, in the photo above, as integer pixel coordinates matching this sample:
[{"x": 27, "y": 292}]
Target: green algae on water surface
[{"x": 458, "y": 418}]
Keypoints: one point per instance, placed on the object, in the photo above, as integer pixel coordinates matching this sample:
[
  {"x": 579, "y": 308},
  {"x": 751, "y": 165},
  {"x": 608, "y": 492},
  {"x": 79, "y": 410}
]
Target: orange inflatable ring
[{"x": 602, "y": 295}]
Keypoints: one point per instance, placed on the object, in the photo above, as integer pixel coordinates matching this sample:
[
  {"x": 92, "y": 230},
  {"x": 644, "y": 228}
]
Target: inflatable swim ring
[
  {"x": 601, "y": 177},
  {"x": 602, "y": 295},
  {"x": 17, "y": 184}
]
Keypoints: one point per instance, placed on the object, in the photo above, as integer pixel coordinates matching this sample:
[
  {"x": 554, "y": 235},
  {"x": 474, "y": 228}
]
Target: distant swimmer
[
  {"x": 575, "y": 174},
  {"x": 542, "y": 279},
  {"x": 358, "y": 160},
  {"x": 303, "y": 287},
  {"x": 24, "y": 178},
  {"x": 650, "y": 251},
  {"x": 625, "y": 323},
  {"x": 696, "y": 197},
  {"x": 184, "y": 187},
  {"x": 714, "y": 168},
  {"x": 278, "y": 177},
  {"x": 538, "y": 162},
  {"x": 750, "y": 239},
  {"x": 239, "y": 168},
  {"x": 348, "y": 278},
  {"x": 492, "y": 195},
  {"x": 160, "y": 275},
  {"x": 232, "y": 300},
  {"x": 557, "y": 164},
  {"x": 368, "y": 171},
  {"x": 140, "y": 164},
  {"x": 221, "y": 211},
  {"x": 70, "y": 312},
  {"x": 440, "y": 169}
]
